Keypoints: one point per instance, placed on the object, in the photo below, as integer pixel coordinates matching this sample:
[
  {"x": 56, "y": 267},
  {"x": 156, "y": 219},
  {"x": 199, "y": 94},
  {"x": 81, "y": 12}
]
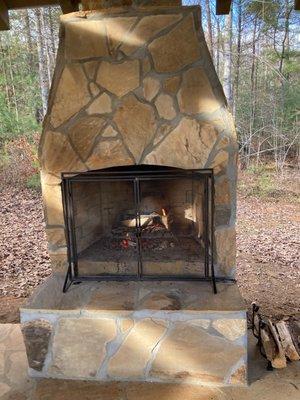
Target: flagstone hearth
[{"x": 139, "y": 331}]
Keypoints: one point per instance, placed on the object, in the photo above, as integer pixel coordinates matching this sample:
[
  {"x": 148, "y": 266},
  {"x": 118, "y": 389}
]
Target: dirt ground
[{"x": 268, "y": 244}]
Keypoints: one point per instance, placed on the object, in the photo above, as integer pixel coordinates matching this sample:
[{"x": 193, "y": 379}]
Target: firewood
[
  {"x": 294, "y": 329},
  {"x": 268, "y": 343},
  {"x": 286, "y": 341},
  {"x": 280, "y": 360}
]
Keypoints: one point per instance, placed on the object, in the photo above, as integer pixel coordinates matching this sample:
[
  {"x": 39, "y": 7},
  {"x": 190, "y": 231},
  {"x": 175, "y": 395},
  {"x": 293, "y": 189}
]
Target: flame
[{"x": 164, "y": 212}]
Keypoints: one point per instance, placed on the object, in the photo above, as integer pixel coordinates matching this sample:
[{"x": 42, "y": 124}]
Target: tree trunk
[
  {"x": 227, "y": 77},
  {"x": 42, "y": 60},
  {"x": 238, "y": 57},
  {"x": 209, "y": 27},
  {"x": 29, "y": 40}
]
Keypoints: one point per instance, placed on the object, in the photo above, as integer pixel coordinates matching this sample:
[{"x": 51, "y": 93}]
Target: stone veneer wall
[{"x": 136, "y": 85}]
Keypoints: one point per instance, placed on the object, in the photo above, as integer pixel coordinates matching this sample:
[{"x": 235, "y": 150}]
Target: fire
[{"x": 164, "y": 212}]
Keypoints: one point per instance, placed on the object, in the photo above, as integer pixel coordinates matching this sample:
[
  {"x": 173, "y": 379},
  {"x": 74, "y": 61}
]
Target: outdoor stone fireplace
[{"x": 135, "y": 95}]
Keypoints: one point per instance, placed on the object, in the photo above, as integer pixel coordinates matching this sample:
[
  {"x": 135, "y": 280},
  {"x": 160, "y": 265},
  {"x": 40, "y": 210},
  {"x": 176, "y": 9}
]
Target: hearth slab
[
  {"x": 137, "y": 331},
  {"x": 185, "y": 258}
]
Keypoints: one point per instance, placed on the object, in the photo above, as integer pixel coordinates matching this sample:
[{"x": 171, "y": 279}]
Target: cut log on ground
[
  {"x": 268, "y": 343},
  {"x": 287, "y": 341},
  {"x": 280, "y": 360}
]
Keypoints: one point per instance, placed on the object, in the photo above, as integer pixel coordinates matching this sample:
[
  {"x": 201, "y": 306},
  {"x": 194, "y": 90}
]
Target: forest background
[{"x": 255, "y": 50}]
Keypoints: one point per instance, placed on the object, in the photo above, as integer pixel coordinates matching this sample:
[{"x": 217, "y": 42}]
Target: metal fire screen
[{"x": 137, "y": 176}]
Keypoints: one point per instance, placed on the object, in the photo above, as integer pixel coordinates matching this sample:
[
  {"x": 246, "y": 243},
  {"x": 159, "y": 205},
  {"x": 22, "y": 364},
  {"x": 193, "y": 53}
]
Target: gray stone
[{"x": 36, "y": 337}]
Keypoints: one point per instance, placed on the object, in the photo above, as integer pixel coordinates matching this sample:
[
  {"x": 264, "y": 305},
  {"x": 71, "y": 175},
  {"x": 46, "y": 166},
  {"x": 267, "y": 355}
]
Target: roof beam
[
  {"x": 297, "y": 5},
  {"x": 223, "y": 7},
  {"x": 66, "y": 5},
  {"x": 4, "y": 22}
]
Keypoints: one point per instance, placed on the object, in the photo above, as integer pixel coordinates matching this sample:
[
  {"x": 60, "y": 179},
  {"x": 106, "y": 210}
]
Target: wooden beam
[
  {"x": 223, "y": 7},
  {"x": 15, "y": 4},
  {"x": 68, "y": 6},
  {"x": 297, "y": 5},
  {"x": 4, "y": 19}
]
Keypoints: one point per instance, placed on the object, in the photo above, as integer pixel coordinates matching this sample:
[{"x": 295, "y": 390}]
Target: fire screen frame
[{"x": 137, "y": 175}]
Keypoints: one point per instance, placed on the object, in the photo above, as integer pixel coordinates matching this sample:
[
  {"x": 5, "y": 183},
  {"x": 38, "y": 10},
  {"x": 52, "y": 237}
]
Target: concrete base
[{"x": 128, "y": 331}]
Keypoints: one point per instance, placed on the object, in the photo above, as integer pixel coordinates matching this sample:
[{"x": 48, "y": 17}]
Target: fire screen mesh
[{"x": 139, "y": 223}]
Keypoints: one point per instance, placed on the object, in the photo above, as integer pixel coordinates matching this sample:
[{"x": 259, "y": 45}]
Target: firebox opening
[{"x": 140, "y": 221}]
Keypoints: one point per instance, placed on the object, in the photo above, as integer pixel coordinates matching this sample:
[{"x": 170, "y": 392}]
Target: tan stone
[
  {"x": 94, "y": 89},
  {"x": 160, "y": 301},
  {"x": 109, "y": 132},
  {"x": 101, "y": 105},
  {"x": 219, "y": 162},
  {"x": 17, "y": 373},
  {"x": 91, "y": 68},
  {"x": 177, "y": 48},
  {"x": 150, "y": 87},
  {"x": 136, "y": 123},
  {"x": 49, "y": 179},
  {"x": 2, "y": 363},
  {"x": 83, "y": 134},
  {"x": 183, "y": 147},
  {"x": 4, "y": 389},
  {"x": 202, "y": 323},
  {"x": 72, "y": 85},
  {"x": 232, "y": 329},
  {"x": 107, "y": 154},
  {"x": 59, "y": 262},
  {"x": 196, "y": 94},
  {"x": 171, "y": 85},
  {"x": 14, "y": 340},
  {"x": 85, "y": 39},
  {"x": 222, "y": 191},
  {"x": 119, "y": 78},
  {"x": 146, "y": 29},
  {"x": 53, "y": 204},
  {"x": 126, "y": 324},
  {"x": 58, "y": 154},
  {"x": 146, "y": 65},
  {"x": 190, "y": 353},
  {"x": 165, "y": 106},
  {"x": 116, "y": 296},
  {"x": 225, "y": 239},
  {"x": 239, "y": 376},
  {"x": 79, "y": 346},
  {"x": 135, "y": 352},
  {"x": 117, "y": 29},
  {"x": 162, "y": 132},
  {"x": 56, "y": 236}
]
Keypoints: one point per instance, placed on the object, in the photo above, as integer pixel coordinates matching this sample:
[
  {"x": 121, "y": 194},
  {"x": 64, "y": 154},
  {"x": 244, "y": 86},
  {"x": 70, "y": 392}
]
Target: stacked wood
[{"x": 280, "y": 341}]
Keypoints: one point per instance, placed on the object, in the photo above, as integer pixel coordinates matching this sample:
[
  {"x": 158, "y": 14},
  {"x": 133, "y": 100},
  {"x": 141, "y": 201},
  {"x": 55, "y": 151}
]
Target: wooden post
[
  {"x": 223, "y": 7},
  {"x": 4, "y": 19}
]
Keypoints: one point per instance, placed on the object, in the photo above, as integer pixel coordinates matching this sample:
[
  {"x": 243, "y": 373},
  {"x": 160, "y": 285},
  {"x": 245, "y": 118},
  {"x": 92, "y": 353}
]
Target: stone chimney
[{"x": 136, "y": 85}]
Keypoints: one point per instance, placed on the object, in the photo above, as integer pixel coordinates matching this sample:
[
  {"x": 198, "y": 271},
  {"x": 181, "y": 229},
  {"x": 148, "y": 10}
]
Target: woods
[{"x": 255, "y": 50}]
